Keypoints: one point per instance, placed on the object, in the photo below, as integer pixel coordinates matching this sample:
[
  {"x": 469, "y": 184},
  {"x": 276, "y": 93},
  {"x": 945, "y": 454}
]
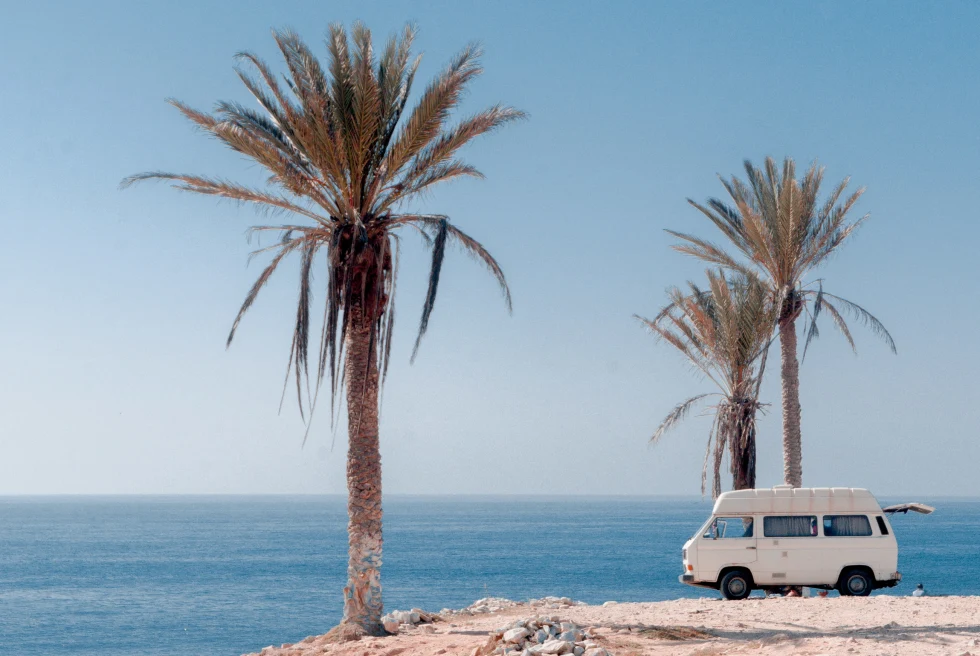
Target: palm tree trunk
[
  {"x": 362, "y": 595},
  {"x": 792, "y": 440},
  {"x": 743, "y": 448}
]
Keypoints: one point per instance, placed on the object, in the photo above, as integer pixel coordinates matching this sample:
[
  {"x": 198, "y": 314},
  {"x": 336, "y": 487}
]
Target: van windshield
[{"x": 728, "y": 527}]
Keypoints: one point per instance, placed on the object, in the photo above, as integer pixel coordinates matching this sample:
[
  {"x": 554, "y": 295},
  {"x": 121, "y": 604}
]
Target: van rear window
[
  {"x": 846, "y": 526},
  {"x": 790, "y": 526},
  {"x": 882, "y": 526}
]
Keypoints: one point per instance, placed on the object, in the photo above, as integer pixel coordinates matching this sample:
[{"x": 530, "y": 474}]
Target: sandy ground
[{"x": 836, "y": 625}]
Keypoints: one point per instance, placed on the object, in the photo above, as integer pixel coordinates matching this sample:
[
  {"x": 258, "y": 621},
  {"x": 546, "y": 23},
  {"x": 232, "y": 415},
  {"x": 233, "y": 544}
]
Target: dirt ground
[{"x": 880, "y": 625}]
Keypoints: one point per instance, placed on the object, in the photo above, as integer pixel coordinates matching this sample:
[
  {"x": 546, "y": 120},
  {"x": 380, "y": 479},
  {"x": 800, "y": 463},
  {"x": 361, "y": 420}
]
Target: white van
[{"x": 815, "y": 537}]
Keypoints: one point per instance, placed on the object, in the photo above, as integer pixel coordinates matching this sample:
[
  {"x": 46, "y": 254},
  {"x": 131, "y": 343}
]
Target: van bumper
[
  {"x": 688, "y": 579},
  {"x": 891, "y": 581}
]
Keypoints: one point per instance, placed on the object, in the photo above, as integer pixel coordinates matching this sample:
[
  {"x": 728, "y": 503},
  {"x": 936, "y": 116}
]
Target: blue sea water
[{"x": 225, "y": 575}]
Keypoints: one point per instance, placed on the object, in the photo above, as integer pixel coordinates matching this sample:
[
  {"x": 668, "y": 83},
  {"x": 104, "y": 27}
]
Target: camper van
[{"x": 831, "y": 538}]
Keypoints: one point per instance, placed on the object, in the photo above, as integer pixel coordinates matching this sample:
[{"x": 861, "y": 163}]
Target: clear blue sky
[{"x": 115, "y": 305}]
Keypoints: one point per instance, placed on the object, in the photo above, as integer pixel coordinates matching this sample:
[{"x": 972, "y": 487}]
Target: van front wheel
[
  {"x": 736, "y": 585},
  {"x": 855, "y": 583}
]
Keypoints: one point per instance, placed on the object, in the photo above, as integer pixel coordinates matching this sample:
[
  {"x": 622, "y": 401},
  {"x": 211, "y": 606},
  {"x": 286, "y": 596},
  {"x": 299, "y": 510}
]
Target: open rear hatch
[{"x": 906, "y": 507}]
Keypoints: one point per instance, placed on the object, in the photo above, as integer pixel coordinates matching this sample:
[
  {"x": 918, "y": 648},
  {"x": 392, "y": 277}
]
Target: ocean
[{"x": 222, "y": 575}]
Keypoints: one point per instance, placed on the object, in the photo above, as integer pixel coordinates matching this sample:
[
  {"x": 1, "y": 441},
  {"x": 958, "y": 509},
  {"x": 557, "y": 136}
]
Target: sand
[{"x": 834, "y": 625}]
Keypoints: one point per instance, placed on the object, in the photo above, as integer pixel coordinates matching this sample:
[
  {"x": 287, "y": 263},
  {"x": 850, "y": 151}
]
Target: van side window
[
  {"x": 729, "y": 527},
  {"x": 790, "y": 526},
  {"x": 846, "y": 526},
  {"x": 882, "y": 526}
]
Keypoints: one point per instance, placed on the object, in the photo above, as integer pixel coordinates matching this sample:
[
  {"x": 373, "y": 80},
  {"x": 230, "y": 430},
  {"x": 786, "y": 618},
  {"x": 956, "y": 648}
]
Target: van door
[
  {"x": 726, "y": 541},
  {"x": 790, "y": 550}
]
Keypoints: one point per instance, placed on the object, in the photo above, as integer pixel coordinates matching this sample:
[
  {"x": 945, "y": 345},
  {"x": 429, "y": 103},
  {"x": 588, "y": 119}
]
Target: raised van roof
[{"x": 785, "y": 499}]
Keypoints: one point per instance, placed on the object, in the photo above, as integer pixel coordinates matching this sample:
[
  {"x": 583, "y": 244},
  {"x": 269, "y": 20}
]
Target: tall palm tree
[
  {"x": 777, "y": 224},
  {"x": 724, "y": 331},
  {"x": 345, "y": 159}
]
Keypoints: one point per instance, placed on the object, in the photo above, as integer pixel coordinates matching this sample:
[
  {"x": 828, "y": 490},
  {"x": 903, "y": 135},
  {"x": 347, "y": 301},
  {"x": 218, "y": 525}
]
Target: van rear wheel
[
  {"x": 736, "y": 585},
  {"x": 855, "y": 583}
]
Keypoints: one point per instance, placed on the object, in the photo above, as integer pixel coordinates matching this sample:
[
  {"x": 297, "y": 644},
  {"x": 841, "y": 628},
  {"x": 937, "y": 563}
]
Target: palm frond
[
  {"x": 866, "y": 318},
  {"x": 438, "y": 254},
  {"x": 676, "y": 416}
]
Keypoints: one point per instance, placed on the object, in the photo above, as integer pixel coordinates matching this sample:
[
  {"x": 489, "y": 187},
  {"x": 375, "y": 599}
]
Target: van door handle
[{"x": 750, "y": 547}]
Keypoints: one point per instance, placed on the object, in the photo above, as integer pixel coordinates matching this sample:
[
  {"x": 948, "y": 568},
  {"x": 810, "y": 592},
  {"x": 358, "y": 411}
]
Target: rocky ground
[{"x": 849, "y": 626}]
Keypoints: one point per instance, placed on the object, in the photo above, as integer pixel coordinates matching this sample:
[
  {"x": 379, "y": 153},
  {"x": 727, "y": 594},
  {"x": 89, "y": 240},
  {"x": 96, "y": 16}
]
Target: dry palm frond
[{"x": 341, "y": 151}]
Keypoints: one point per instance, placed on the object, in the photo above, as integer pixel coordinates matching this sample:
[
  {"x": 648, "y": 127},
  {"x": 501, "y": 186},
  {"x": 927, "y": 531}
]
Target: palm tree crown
[
  {"x": 724, "y": 332},
  {"x": 345, "y": 156}
]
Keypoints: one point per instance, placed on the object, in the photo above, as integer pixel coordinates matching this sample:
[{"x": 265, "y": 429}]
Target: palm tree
[
  {"x": 724, "y": 332},
  {"x": 345, "y": 159},
  {"x": 777, "y": 224}
]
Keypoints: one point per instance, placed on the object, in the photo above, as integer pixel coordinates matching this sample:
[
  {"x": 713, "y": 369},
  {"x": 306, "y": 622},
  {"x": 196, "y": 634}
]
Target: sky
[{"x": 115, "y": 305}]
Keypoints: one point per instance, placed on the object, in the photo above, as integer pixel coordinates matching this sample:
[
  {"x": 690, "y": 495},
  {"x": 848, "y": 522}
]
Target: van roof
[{"x": 786, "y": 499}]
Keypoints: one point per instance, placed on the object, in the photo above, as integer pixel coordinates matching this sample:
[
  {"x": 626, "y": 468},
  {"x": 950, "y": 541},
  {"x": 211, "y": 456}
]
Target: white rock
[
  {"x": 390, "y": 624},
  {"x": 427, "y": 628},
  {"x": 610, "y": 603},
  {"x": 597, "y": 652},
  {"x": 516, "y": 635},
  {"x": 555, "y": 647},
  {"x": 402, "y": 616}
]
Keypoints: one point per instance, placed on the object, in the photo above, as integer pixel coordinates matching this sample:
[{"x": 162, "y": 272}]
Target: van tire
[
  {"x": 856, "y": 582},
  {"x": 736, "y": 585}
]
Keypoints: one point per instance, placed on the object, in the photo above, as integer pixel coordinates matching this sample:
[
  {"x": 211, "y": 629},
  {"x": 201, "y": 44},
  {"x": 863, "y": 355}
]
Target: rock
[
  {"x": 390, "y": 623},
  {"x": 516, "y": 635},
  {"x": 578, "y": 651},
  {"x": 553, "y": 647},
  {"x": 574, "y": 635},
  {"x": 597, "y": 652},
  {"x": 609, "y": 603},
  {"x": 568, "y": 626},
  {"x": 541, "y": 636},
  {"x": 403, "y": 617},
  {"x": 427, "y": 628}
]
